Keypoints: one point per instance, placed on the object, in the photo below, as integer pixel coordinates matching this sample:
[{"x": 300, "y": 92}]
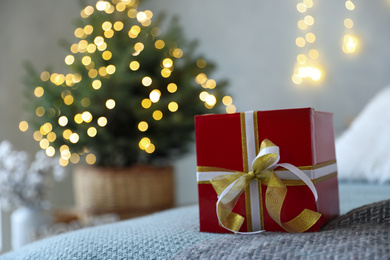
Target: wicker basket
[{"x": 128, "y": 192}]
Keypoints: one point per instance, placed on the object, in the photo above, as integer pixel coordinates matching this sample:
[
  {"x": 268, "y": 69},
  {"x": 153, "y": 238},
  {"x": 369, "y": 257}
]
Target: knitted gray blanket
[
  {"x": 174, "y": 234},
  {"x": 363, "y": 233}
]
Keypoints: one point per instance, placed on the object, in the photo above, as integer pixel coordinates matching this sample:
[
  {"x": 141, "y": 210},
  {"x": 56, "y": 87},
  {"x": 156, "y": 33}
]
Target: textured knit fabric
[{"x": 174, "y": 234}]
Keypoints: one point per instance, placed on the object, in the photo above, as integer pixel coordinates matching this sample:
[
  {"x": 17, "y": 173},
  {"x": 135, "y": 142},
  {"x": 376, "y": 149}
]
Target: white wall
[{"x": 253, "y": 43}]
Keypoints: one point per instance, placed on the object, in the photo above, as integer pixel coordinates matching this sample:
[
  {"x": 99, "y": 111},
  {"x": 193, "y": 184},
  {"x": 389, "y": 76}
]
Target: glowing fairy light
[
  {"x": 350, "y": 41},
  {"x": 306, "y": 67},
  {"x": 23, "y": 126}
]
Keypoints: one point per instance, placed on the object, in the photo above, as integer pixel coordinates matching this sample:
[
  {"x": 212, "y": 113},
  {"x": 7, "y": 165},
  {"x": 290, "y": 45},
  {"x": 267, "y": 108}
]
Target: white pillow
[{"x": 363, "y": 150}]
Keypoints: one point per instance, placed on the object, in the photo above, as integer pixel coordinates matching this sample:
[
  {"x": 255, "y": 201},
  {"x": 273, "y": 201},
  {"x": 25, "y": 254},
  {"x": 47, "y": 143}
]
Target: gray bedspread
[{"x": 363, "y": 233}]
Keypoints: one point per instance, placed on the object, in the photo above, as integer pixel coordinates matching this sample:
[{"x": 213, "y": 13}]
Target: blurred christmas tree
[{"x": 131, "y": 92}]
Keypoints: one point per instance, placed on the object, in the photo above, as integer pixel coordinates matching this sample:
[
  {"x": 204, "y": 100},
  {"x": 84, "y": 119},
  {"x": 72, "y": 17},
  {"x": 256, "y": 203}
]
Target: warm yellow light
[
  {"x": 301, "y": 7},
  {"x": 106, "y": 25},
  {"x": 111, "y": 69},
  {"x": 88, "y": 29},
  {"x": 74, "y": 158},
  {"x": 118, "y": 26},
  {"x": 63, "y": 162},
  {"x": 201, "y": 78},
  {"x": 90, "y": 159},
  {"x": 86, "y": 116},
  {"x": 314, "y": 54},
  {"x": 301, "y": 58},
  {"x": 231, "y": 109},
  {"x": 211, "y": 100},
  {"x": 157, "y": 115},
  {"x": 203, "y": 95},
  {"x": 201, "y": 63},
  {"x": 46, "y": 128},
  {"x": 50, "y": 151},
  {"x": 102, "y": 121},
  {"x": 146, "y": 103},
  {"x": 134, "y": 65},
  {"x": 92, "y": 73},
  {"x": 101, "y": 5},
  {"x": 135, "y": 30},
  {"x": 173, "y": 106},
  {"x": 23, "y": 126},
  {"x": 309, "y": 20},
  {"x": 68, "y": 100},
  {"x": 172, "y": 87},
  {"x": 227, "y": 100},
  {"x": 145, "y": 142},
  {"x": 143, "y": 126},
  {"x": 308, "y": 3},
  {"x": 110, "y": 103},
  {"x": 63, "y": 121},
  {"x": 348, "y": 23},
  {"x": 349, "y": 5},
  {"x": 310, "y": 37},
  {"x": 66, "y": 134},
  {"x": 102, "y": 46},
  {"x": 89, "y": 10},
  {"x": 132, "y": 13},
  {"x": 149, "y": 14},
  {"x": 69, "y": 59},
  {"x": 37, "y": 136},
  {"x": 302, "y": 25},
  {"x": 147, "y": 81},
  {"x": 51, "y": 137},
  {"x": 296, "y": 79},
  {"x": 210, "y": 83},
  {"x": 74, "y": 138},
  {"x": 313, "y": 73},
  {"x": 120, "y": 7},
  {"x": 78, "y": 118},
  {"x": 159, "y": 44},
  {"x": 141, "y": 16},
  {"x": 74, "y": 48},
  {"x": 166, "y": 72},
  {"x": 103, "y": 71},
  {"x": 177, "y": 53},
  {"x": 98, "y": 40},
  {"x": 86, "y": 60},
  {"x": 300, "y": 42},
  {"x": 150, "y": 148},
  {"x": 155, "y": 95},
  {"x": 40, "y": 111},
  {"x": 85, "y": 102},
  {"x": 63, "y": 148},
  {"x": 167, "y": 63},
  {"x": 350, "y": 43},
  {"x": 38, "y": 91},
  {"x": 79, "y": 32},
  {"x": 44, "y": 143},
  {"x": 96, "y": 84},
  {"x": 45, "y": 76},
  {"x": 91, "y": 131},
  {"x": 106, "y": 55},
  {"x": 139, "y": 46},
  {"x": 82, "y": 45}
]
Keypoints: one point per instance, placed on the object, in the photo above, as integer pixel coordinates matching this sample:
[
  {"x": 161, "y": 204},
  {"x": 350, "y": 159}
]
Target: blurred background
[{"x": 255, "y": 44}]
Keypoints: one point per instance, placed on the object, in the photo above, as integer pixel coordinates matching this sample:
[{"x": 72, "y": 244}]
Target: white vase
[{"x": 25, "y": 222}]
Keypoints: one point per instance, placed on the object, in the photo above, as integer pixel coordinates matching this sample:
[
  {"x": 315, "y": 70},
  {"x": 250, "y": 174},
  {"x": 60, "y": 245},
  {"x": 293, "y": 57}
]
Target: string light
[
  {"x": 307, "y": 67},
  {"x": 350, "y": 41},
  {"x": 23, "y": 126}
]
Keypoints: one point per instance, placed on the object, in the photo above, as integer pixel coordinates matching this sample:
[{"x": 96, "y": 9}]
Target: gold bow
[{"x": 229, "y": 188}]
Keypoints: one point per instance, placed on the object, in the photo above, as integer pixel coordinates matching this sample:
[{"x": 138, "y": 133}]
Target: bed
[{"x": 359, "y": 233}]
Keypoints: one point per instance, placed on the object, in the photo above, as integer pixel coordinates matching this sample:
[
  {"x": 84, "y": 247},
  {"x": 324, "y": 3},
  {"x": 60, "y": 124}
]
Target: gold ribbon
[{"x": 229, "y": 188}]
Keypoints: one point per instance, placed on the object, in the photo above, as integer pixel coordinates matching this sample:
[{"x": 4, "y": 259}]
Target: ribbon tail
[
  {"x": 275, "y": 195},
  {"x": 227, "y": 200}
]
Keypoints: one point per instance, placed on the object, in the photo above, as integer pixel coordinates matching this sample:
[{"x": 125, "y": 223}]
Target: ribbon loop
[{"x": 229, "y": 188}]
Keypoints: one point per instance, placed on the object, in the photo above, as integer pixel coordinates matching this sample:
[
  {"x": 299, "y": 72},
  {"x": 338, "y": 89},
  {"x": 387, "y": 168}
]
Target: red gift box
[{"x": 229, "y": 143}]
